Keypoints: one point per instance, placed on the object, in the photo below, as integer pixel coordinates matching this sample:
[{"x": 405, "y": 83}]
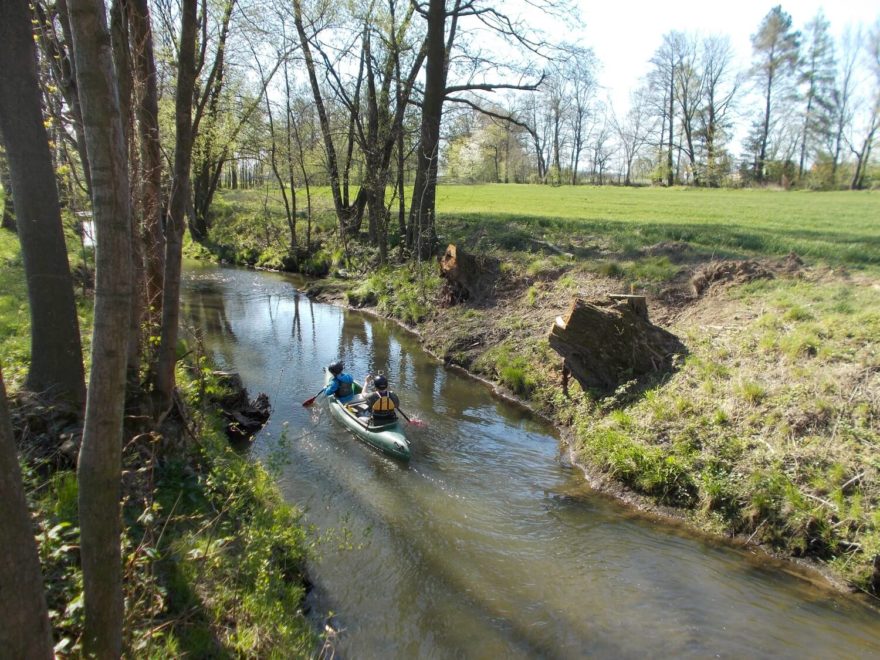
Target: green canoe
[{"x": 387, "y": 438}]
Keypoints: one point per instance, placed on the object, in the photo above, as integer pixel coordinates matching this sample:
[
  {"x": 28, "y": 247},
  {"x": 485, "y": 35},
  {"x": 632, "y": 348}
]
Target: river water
[{"x": 489, "y": 544}]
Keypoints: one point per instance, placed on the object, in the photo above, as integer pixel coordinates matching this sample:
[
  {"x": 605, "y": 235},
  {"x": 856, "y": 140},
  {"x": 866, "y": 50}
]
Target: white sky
[{"x": 625, "y": 33}]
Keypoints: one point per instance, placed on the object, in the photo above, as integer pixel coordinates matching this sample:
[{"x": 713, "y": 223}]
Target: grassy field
[
  {"x": 839, "y": 227},
  {"x": 835, "y": 227}
]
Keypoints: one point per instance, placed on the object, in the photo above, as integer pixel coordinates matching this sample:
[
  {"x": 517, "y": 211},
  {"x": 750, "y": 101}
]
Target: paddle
[
  {"x": 418, "y": 423},
  {"x": 309, "y": 402}
]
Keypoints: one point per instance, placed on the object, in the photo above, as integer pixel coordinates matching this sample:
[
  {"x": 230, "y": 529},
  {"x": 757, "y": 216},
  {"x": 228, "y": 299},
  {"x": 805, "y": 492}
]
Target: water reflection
[{"x": 487, "y": 544}]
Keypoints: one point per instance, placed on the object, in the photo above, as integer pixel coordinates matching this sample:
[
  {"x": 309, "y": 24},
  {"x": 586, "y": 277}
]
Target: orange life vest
[{"x": 384, "y": 405}]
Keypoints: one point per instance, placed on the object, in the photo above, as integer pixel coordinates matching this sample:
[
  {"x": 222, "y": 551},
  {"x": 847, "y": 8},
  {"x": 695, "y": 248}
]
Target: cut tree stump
[
  {"x": 606, "y": 343},
  {"x": 638, "y": 304},
  {"x": 469, "y": 277}
]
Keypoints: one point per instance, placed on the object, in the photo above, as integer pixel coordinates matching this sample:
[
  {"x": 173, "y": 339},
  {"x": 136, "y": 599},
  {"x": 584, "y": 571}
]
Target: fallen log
[
  {"x": 468, "y": 277},
  {"x": 605, "y": 343}
]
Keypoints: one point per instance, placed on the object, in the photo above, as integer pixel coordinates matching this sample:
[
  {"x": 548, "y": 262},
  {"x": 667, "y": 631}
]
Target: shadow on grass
[{"x": 590, "y": 238}]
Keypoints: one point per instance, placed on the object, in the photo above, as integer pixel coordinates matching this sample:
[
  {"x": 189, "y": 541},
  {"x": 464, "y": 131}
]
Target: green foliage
[
  {"x": 511, "y": 366},
  {"x": 646, "y": 469},
  {"x": 408, "y": 294},
  {"x": 317, "y": 265},
  {"x": 532, "y": 296},
  {"x": 247, "y": 560},
  {"x": 14, "y": 315},
  {"x": 652, "y": 269}
]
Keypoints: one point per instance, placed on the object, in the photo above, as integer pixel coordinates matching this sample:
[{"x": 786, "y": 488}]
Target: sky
[{"x": 625, "y": 33}]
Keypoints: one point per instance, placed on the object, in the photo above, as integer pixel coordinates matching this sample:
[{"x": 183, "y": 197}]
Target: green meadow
[
  {"x": 588, "y": 221},
  {"x": 837, "y": 227}
]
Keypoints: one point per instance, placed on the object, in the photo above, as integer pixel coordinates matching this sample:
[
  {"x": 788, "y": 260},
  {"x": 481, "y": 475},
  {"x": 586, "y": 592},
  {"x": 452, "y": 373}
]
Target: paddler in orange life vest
[
  {"x": 341, "y": 385},
  {"x": 382, "y": 403}
]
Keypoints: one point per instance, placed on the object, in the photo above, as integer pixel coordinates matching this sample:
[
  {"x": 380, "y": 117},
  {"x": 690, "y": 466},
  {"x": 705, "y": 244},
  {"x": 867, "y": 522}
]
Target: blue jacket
[{"x": 341, "y": 385}]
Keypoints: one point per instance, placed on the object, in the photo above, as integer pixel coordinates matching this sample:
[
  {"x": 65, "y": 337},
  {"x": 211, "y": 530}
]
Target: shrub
[{"x": 317, "y": 265}]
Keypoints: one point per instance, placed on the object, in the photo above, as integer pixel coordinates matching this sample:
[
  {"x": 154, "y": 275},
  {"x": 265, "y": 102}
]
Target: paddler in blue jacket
[{"x": 341, "y": 385}]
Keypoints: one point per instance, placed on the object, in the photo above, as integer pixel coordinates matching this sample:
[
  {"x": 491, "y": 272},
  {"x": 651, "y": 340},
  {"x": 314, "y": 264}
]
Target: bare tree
[
  {"x": 56, "y": 353},
  {"x": 54, "y": 38},
  {"x": 663, "y": 80},
  {"x": 843, "y": 97},
  {"x": 580, "y": 71},
  {"x": 688, "y": 92},
  {"x": 345, "y": 212},
  {"x": 440, "y": 40},
  {"x": 720, "y": 86},
  {"x": 7, "y": 220},
  {"x": 634, "y": 131},
  {"x": 600, "y": 147},
  {"x": 147, "y": 111},
  {"x": 861, "y": 148}
]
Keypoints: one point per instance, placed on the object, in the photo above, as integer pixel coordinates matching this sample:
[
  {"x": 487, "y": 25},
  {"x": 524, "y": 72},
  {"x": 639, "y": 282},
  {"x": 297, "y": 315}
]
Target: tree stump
[
  {"x": 469, "y": 277},
  {"x": 608, "y": 342}
]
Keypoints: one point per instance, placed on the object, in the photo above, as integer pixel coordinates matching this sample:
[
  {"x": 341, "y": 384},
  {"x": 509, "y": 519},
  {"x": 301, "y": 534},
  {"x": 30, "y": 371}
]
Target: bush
[{"x": 317, "y": 265}]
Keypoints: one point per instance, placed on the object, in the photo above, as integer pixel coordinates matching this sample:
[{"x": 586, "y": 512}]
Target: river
[{"x": 489, "y": 544}]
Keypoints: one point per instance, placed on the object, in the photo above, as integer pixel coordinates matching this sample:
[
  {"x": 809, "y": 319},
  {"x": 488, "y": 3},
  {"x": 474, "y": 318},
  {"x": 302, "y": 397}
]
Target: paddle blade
[
  {"x": 418, "y": 423},
  {"x": 309, "y": 402}
]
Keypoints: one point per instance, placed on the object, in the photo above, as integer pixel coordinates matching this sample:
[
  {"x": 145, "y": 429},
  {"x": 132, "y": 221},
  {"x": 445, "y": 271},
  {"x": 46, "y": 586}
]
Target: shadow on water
[{"x": 487, "y": 544}]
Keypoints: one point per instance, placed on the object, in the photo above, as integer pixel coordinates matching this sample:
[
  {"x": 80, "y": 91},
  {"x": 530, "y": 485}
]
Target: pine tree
[
  {"x": 775, "y": 46},
  {"x": 817, "y": 78}
]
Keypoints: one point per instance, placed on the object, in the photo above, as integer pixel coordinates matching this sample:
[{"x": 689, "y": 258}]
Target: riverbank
[
  {"x": 766, "y": 433},
  {"x": 722, "y": 443},
  {"x": 767, "y": 430},
  {"x": 213, "y": 556}
]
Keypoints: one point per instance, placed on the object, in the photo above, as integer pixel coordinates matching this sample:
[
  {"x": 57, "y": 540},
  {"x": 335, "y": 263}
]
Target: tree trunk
[
  {"x": 469, "y": 277},
  {"x": 119, "y": 39},
  {"x": 340, "y": 205},
  {"x": 164, "y": 380},
  {"x": 765, "y": 129},
  {"x": 7, "y": 220},
  {"x": 26, "y": 631},
  {"x": 99, "y": 468},
  {"x": 608, "y": 342},
  {"x": 56, "y": 352},
  {"x": 421, "y": 234},
  {"x": 669, "y": 173},
  {"x": 147, "y": 110}
]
